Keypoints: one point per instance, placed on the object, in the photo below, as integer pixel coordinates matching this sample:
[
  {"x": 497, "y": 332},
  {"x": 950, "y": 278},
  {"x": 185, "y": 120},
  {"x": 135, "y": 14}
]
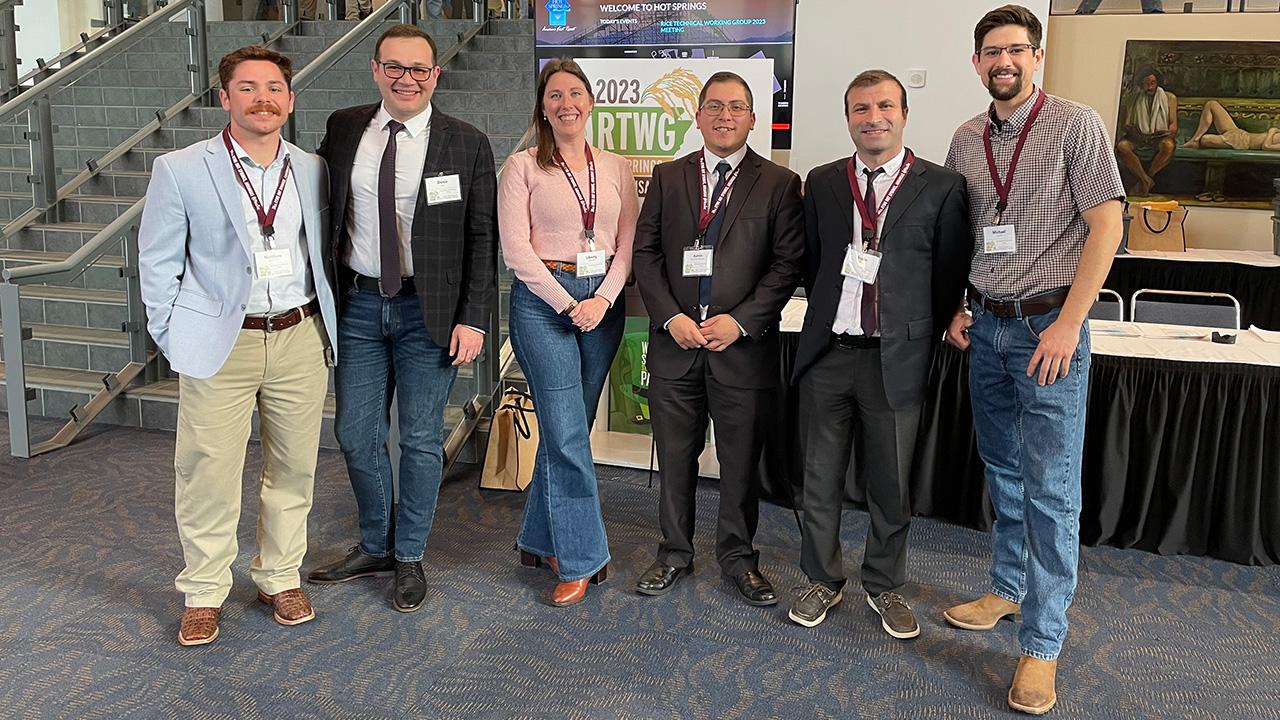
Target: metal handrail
[
  {"x": 44, "y": 67},
  {"x": 77, "y": 262},
  {"x": 95, "y": 166},
  {"x": 93, "y": 59}
]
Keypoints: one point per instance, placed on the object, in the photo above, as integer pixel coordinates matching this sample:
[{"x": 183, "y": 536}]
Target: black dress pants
[
  {"x": 843, "y": 410},
  {"x": 678, "y": 409}
]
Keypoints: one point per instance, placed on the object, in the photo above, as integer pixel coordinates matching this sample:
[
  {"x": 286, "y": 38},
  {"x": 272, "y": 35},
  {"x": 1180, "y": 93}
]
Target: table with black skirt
[
  {"x": 1181, "y": 453},
  {"x": 1252, "y": 277}
]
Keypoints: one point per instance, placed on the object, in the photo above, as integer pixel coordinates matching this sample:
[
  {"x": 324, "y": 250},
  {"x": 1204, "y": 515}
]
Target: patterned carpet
[{"x": 88, "y": 618}]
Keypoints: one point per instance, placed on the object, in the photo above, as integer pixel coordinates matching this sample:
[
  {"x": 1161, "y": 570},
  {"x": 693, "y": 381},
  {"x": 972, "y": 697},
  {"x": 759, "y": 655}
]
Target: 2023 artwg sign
[{"x": 646, "y": 109}]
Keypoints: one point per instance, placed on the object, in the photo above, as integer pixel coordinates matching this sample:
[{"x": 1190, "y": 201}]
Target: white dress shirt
[
  {"x": 711, "y": 160},
  {"x": 268, "y": 297},
  {"x": 362, "y": 212},
  {"x": 849, "y": 311}
]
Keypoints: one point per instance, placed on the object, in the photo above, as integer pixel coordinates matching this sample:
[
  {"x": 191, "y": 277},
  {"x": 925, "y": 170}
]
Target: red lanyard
[
  {"x": 871, "y": 218},
  {"x": 588, "y": 208},
  {"x": 266, "y": 217},
  {"x": 706, "y": 212},
  {"x": 1002, "y": 189}
]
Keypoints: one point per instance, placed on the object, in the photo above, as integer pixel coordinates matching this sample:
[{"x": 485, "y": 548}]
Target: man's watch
[{"x": 572, "y": 304}]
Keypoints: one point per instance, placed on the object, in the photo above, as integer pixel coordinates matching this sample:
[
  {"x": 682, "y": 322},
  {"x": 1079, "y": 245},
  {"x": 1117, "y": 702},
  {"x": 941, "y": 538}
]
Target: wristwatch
[{"x": 572, "y": 304}]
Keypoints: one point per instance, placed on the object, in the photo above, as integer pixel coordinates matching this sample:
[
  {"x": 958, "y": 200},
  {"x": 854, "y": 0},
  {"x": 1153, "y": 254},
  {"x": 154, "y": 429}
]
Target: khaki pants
[{"x": 284, "y": 374}]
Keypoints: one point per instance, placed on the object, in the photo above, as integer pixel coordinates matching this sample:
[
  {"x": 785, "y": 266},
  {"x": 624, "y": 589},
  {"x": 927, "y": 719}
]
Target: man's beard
[{"x": 1012, "y": 92}]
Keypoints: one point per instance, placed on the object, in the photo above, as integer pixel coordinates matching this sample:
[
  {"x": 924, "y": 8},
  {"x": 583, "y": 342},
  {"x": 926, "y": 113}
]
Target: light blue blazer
[{"x": 195, "y": 257}]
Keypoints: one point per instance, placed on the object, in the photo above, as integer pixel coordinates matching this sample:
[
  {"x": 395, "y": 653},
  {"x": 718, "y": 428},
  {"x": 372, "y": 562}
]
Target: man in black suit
[
  {"x": 413, "y": 208},
  {"x": 885, "y": 269},
  {"x": 717, "y": 254}
]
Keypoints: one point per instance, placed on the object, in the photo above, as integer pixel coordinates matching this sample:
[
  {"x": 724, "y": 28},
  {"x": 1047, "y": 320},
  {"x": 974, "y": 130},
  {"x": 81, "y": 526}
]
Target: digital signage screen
[{"x": 677, "y": 30}]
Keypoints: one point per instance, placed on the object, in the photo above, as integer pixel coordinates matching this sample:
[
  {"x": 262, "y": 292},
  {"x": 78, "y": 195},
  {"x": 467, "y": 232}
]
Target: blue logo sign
[{"x": 558, "y": 12}]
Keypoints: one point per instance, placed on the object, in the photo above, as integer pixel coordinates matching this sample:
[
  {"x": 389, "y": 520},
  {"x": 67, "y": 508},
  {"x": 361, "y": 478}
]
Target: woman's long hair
[{"x": 540, "y": 124}]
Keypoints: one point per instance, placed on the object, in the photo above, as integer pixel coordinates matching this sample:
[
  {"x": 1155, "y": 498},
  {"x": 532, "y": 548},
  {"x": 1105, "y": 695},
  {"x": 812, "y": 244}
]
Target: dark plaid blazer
[{"x": 454, "y": 244}]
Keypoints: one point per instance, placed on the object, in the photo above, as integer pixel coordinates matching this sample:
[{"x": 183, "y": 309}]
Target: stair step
[
  {"x": 40, "y": 256},
  {"x": 61, "y": 378},
  {"x": 68, "y": 334},
  {"x": 74, "y": 294}
]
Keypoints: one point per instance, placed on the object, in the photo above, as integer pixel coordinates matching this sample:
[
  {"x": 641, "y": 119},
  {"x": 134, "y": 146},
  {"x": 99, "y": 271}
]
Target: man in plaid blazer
[{"x": 414, "y": 226}]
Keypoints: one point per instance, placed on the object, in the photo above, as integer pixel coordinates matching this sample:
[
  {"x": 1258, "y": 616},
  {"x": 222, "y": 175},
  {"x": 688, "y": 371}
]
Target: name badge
[
  {"x": 591, "y": 264},
  {"x": 861, "y": 265},
  {"x": 271, "y": 264},
  {"x": 442, "y": 189},
  {"x": 999, "y": 239},
  {"x": 697, "y": 261}
]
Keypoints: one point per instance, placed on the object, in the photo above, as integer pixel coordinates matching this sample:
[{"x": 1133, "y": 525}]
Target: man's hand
[
  {"x": 686, "y": 333},
  {"x": 1053, "y": 354},
  {"x": 958, "y": 331},
  {"x": 465, "y": 344},
  {"x": 720, "y": 332},
  {"x": 587, "y": 314}
]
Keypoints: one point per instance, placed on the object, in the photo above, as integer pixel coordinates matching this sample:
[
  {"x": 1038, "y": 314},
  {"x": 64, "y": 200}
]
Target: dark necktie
[
  {"x": 713, "y": 231},
  {"x": 388, "y": 231},
  {"x": 870, "y": 303}
]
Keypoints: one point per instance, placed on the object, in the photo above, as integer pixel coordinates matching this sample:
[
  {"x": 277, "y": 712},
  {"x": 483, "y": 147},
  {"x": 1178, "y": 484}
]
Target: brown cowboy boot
[
  {"x": 983, "y": 613},
  {"x": 291, "y": 606},
  {"x": 1033, "y": 690},
  {"x": 199, "y": 626}
]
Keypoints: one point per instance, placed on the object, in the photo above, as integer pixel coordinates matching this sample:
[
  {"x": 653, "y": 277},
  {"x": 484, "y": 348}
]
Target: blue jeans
[
  {"x": 566, "y": 369},
  {"x": 384, "y": 348},
  {"x": 1031, "y": 439}
]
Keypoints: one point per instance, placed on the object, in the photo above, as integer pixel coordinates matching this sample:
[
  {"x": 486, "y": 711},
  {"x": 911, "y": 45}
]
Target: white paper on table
[
  {"x": 1266, "y": 336},
  {"x": 1115, "y": 329},
  {"x": 1173, "y": 333}
]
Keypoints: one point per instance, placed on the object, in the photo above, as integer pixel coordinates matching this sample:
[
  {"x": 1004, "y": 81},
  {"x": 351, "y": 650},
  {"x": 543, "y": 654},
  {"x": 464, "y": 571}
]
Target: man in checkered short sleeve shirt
[{"x": 1045, "y": 210}]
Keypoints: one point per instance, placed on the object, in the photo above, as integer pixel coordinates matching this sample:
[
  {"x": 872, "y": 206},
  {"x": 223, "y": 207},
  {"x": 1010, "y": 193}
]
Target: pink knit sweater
[{"x": 539, "y": 219}]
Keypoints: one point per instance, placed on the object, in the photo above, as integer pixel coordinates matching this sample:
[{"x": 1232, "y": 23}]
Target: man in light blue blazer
[{"x": 232, "y": 266}]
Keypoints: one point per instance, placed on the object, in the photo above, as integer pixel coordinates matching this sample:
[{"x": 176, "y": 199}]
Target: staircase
[{"x": 76, "y": 333}]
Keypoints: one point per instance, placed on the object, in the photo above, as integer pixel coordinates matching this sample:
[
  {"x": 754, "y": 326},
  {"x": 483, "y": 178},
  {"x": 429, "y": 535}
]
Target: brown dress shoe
[
  {"x": 1033, "y": 689},
  {"x": 291, "y": 606},
  {"x": 983, "y": 613},
  {"x": 574, "y": 591},
  {"x": 199, "y": 626}
]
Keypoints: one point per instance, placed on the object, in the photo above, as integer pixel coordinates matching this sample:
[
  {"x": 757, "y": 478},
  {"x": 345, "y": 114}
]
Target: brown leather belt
[
  {"x": 1035, "y": 305},
  {"x": 281, "y": 321},
  {"x": 554, "y": 265}
]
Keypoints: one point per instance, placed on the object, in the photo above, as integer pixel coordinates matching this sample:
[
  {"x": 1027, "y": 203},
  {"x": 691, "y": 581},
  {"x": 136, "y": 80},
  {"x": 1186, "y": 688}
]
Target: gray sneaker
[
  {"x": 895, "y": 615},
  {"x": 811, "y": 606}
]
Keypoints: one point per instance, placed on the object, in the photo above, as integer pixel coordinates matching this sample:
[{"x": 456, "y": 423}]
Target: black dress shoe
[
  {"x": 411, "y": 586},
  {"x": 660, "y": 578},
  {"x": 755, "y": 589},
  {"x": 355, "y": 565}
]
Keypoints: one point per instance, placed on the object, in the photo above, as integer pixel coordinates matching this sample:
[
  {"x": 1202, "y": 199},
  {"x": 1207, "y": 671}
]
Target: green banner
[{"x": 629, "y": 380}]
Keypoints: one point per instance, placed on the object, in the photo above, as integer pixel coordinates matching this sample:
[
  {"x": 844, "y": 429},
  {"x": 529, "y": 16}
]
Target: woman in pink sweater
[{"x": 567, "y": 216}]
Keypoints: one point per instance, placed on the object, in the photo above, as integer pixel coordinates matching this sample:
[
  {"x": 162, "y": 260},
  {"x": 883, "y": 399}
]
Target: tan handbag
[
  {"x": 1158, "y": 226},
  {"x": 513, "y": 444}
]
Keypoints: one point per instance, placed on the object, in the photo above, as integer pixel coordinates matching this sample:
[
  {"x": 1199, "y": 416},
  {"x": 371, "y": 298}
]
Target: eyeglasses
[
  {"x": 1015, "y": 51},
  {"x": 395, "y": 72},
  {"x": 736, "y": 109}
]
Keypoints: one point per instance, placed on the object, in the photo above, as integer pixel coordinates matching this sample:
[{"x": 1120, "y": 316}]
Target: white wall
[
  {"x": 837, "y": 39},
  {"x": 38, "y": 33}
]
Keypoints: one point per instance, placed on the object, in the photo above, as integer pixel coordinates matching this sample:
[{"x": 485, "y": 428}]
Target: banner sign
[{"x": 645, "y": 109}]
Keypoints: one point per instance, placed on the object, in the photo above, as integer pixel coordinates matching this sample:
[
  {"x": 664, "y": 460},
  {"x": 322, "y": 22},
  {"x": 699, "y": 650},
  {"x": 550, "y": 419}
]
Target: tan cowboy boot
[
  {"x": 983, "y": 613},
  {"x": 1033, "y": 689}
]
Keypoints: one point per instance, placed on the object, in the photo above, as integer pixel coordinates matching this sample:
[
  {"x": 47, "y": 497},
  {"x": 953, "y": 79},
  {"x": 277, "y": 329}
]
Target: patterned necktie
[
  {"x": 870, "y": 302},
  {"x": 388, "y": 234},
  {"x": 713, "y": 231}
]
